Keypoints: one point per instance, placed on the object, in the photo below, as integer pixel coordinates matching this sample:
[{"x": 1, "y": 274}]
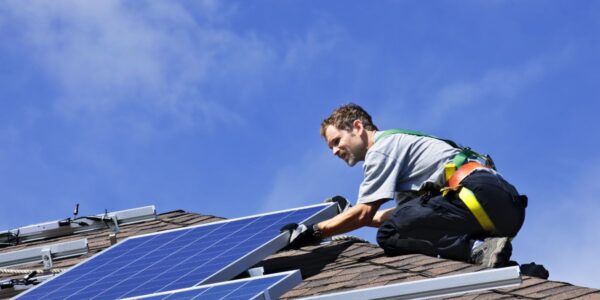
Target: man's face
[{"x": 345, "y": 144}]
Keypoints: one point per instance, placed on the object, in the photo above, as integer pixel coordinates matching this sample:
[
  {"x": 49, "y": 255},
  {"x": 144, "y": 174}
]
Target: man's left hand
[
  {"x": 341, "y": 202},
  {"x": 300, "y": 235}
]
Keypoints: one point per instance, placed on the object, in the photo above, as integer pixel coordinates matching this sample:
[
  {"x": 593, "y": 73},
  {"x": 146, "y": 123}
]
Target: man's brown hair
[{"x": 343, "y": 117}]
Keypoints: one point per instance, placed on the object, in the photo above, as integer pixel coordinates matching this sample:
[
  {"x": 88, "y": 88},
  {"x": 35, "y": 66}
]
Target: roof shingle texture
[{"x": 333, "y": 267}]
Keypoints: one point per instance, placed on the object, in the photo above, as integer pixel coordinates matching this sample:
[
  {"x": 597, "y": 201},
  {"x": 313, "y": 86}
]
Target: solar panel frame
[
  {"x": 282, "y": 283},
  {"x": 274, "y": 245},
  {"x": 236, "y": 266}
]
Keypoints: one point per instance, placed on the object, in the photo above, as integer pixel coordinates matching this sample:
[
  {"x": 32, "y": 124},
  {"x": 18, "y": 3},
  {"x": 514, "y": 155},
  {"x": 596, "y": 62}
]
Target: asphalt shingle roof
[{"x": 332, "y": 267}]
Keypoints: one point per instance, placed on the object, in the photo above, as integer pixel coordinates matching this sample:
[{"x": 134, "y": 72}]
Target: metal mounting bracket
[
  {"x": 258, "y": 271},
  {"x": 47, "y": 259},
  {"x": 116, "y": 223}
]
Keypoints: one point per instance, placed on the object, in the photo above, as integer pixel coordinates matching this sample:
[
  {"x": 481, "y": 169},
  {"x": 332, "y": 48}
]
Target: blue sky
[{"x": 214, "y": 107}]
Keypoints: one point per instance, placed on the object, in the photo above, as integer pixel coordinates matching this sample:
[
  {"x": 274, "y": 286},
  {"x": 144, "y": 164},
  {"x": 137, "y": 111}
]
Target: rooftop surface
[{"x": 339, "y": 265}]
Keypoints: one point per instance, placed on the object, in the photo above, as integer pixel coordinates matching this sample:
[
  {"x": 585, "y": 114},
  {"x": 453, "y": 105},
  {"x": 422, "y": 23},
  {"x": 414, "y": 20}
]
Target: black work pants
[{"x": 444, "y": 226}]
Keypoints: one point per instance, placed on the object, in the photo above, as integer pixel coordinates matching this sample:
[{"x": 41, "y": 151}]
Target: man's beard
[{"x": 351, "y": 161}]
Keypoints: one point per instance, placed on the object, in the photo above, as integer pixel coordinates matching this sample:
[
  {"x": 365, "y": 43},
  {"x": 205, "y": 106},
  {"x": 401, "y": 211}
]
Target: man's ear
[{"x": 357, "y": 125}]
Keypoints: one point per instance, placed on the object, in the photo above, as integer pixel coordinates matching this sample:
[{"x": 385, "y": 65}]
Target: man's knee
[
  {"x": 393, "y": 243},
  {"x": 397, "y": 245}
]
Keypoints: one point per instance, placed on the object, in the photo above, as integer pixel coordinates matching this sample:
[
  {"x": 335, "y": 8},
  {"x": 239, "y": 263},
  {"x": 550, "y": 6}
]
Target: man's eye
[{"x": 336, "y": 141}]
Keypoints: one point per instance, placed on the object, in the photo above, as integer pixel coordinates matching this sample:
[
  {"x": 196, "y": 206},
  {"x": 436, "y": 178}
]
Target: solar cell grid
[
  {"x": 251, "y": 288},
  {"x": 172, "y": 260}
]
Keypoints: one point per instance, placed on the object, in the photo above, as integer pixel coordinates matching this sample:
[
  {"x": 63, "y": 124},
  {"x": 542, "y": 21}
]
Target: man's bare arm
[
  {"x": 351, "y": 219},
  {"x": 381, "y": 216}
]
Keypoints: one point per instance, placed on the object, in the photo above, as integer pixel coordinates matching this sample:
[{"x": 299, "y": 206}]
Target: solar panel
[
  {"x": 255, "y": 288},
  {"x": 178, "y": 258}
]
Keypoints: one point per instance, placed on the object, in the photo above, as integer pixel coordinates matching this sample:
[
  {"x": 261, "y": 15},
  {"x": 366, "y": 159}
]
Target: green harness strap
[{"x": 458, "y": 160}]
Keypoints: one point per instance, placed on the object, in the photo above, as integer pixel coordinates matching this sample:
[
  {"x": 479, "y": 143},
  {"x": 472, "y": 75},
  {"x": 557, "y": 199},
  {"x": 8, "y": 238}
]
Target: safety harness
[{"x": 464, "y": 163}]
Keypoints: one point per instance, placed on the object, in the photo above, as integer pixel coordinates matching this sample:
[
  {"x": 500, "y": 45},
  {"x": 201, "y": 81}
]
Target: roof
[{"x": 336, "y": 266}]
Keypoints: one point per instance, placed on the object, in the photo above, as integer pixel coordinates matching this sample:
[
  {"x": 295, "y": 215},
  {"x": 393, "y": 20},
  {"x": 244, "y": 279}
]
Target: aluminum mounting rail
[
  {"x": 45, "y": 253},
  {"x": 434, "y": 287},
  {"x": 80, "y": 224}
]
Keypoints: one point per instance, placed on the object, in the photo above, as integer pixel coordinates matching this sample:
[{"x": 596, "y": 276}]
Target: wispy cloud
[
  {"x": 310, "y": 179},
  {"x": 503, "y": 83},
  {"x": 154, "y": 58},
  {"x": 324, "y": 37},
  {"x": 433, "y": 104},
  {"x": 121, "y": 72},
  {"x": 562, "y": 233}
]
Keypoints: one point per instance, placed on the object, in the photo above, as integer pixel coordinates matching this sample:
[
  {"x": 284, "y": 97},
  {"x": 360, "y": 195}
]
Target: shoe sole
[{"x": 494, "y": 256}]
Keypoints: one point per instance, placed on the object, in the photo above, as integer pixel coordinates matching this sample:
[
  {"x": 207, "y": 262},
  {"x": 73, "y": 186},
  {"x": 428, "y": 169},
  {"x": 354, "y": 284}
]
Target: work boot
[{"x": 492, "y": 253}]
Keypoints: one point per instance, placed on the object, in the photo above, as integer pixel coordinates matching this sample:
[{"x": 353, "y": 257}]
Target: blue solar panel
[
  {"x": 177, "y": 259},
  {"x": 274, "y": 285}
]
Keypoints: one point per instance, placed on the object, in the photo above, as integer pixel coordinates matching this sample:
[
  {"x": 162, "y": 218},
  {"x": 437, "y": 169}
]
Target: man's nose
[{"x": 335, "y": 150}]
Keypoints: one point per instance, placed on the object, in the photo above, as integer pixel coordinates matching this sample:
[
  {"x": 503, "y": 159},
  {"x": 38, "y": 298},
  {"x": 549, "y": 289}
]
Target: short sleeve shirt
[{"x": 399, "y": 165}]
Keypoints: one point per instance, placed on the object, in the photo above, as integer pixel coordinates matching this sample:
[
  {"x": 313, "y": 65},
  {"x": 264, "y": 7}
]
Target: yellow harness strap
[
  {"x": 469, "y": 199},
  {"x": 449, "y": 170},
  {"x": 453, "y": 178}
]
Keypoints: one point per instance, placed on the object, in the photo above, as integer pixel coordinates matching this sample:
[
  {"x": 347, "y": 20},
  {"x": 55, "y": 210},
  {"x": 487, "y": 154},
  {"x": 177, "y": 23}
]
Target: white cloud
[
  {"x": 153, "y": 58},
  {"x": 121, "y": 72},
  {"x": 155, "y": 62}
]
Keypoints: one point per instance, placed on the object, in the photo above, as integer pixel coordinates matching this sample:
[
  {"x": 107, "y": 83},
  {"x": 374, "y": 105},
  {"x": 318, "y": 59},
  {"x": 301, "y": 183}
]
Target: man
[{"x": 450, "y": 201}]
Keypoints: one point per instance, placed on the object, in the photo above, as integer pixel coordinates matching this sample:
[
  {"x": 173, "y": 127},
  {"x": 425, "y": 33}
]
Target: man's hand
[
  {"x": 300, "y": 235},
  {"x": 342, "y": 203}
]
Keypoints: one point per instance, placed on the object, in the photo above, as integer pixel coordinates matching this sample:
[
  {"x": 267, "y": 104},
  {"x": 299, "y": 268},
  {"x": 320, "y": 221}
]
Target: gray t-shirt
[{"x": 399, "y": 165}]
